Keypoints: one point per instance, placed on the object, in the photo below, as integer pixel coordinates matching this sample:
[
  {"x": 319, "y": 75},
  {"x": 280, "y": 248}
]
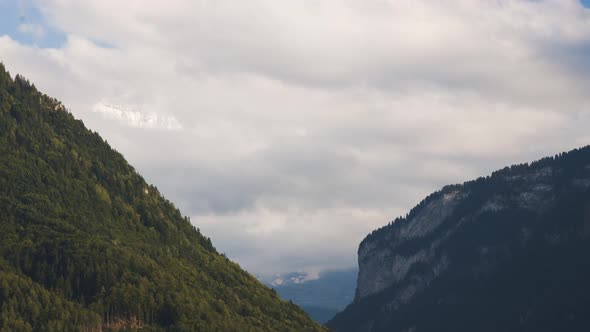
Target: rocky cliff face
[
  {"x": 474, "y": 249},
  {"x": 381, "y": 266}
]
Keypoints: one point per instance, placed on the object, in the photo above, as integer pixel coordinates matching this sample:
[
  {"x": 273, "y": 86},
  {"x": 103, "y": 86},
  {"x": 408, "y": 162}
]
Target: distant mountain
[
  {"x": 319, "y": 314},
  {"x": 292, "y": 278},
  {"x": 508, "y": 252},
  {"x": 87, "y": 245},
  {"x": 320, "y": 296}
]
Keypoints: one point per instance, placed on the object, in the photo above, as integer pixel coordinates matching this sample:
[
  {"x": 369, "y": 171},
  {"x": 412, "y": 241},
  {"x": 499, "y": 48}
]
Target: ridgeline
[{"x": 87, "y": 245}]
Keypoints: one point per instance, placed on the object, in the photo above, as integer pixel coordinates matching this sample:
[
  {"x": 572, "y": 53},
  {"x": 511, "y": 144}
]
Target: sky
[{"x": 289, "y": 130}]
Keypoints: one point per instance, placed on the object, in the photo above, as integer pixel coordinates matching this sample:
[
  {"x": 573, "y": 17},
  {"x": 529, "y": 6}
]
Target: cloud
[
  {"x": 136, "y": 118},
  {"x": 36, "y": 30},
  {"x": 295, "y": 128}
]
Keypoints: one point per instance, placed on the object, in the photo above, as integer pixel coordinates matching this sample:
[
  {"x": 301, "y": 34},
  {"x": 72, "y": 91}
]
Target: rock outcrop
[{"x": 501, "y": 249}]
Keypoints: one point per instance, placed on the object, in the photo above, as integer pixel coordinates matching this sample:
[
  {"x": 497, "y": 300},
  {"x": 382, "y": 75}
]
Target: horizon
[{"x": 299, "y": 137}]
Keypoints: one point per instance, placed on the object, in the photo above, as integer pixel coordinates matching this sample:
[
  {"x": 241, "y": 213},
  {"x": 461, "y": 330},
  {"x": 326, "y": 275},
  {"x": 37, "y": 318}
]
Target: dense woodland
[
  {"x": 522, "y": 265},
  {"x": 87, "y": 244}
]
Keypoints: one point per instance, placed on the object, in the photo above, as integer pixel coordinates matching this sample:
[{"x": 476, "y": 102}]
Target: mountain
[
  {"x": 508, "y": 252},
  {"x": 288, "y": 279},
  {"x": 319, "y": 314},
  {"x": 321, "y": 296},
  {"x": 87, "y": 245}
]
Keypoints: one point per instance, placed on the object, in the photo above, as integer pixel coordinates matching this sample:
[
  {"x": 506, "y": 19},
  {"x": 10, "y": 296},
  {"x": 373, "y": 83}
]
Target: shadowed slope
[{"x": 509, "y": 252}]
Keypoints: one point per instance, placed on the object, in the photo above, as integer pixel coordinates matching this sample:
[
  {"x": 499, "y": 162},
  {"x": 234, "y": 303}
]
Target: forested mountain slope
[
  {"x": 87, "y": 244},
  {"x": 508, "y": 252}
]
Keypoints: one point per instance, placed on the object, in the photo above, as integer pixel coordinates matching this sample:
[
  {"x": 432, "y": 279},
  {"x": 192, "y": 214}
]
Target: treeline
[
  {"x": 561, "y": 169},
  {"x": 86, "y": 242}
]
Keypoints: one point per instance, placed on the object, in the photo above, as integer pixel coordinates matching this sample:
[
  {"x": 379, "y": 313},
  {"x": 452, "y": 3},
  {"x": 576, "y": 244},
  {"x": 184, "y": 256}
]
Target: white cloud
[
  {"x": 35, "y": 30},
  {"x": 134, "y": 117},
  {"x": 306, "y": 124}
]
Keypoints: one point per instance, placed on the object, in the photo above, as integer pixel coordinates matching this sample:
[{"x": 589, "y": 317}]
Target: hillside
[
  {"x": 508, "y": 252},
  {"x": 87, "y": 244}
]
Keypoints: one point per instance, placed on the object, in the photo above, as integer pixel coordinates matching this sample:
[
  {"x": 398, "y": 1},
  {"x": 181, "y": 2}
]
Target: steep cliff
[{"x": 505, "y": 252}]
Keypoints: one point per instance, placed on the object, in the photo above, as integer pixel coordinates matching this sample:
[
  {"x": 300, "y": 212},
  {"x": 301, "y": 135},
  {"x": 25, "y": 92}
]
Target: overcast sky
[{"x": 288, "y": 130}]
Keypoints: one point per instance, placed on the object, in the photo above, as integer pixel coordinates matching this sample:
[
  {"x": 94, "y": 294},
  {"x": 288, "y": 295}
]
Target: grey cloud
[{"x": 303, "y": 125}]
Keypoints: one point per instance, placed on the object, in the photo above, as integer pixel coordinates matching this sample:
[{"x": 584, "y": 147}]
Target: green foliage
[{"x": 86, "y": 243}]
